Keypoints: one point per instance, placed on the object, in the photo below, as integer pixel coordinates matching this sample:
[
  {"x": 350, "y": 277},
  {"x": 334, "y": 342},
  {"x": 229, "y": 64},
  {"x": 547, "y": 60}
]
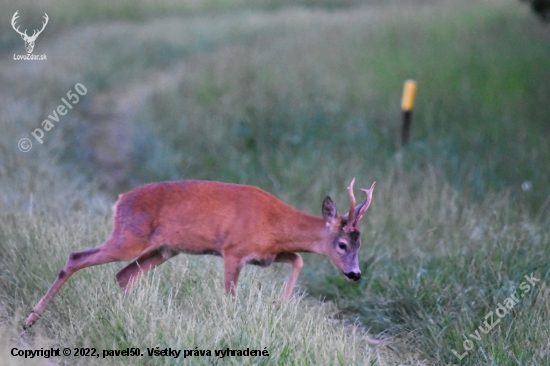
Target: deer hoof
[{"x": 31, "y": 319}]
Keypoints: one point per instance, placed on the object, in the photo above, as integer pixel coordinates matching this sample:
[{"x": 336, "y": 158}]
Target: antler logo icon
[{"x": 29, "y": 41}]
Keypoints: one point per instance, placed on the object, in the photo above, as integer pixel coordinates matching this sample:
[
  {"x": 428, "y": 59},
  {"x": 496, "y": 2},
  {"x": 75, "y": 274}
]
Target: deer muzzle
[{"x": 353, "y": 276}]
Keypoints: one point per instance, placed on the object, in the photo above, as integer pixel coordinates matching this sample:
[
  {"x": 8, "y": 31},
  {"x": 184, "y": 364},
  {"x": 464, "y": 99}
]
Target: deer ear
[{"x": 329, "y": 210}]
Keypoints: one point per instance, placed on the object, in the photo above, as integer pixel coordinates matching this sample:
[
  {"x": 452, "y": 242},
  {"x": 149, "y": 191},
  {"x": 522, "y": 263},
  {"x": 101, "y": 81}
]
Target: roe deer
[{"x": 242, "y": 224}]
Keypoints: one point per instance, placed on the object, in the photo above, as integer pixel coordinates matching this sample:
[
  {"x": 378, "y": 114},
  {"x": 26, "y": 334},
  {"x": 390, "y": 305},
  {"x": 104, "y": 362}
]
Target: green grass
[
  {"x": 181, "y": 305},
  {"x": 296, "y": 98}
]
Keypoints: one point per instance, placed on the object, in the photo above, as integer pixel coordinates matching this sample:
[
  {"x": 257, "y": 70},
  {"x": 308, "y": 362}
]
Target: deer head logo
[{"x": 29, "y": 41}]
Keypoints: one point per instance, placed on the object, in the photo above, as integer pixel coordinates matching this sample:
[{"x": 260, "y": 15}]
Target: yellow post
[{"x": 407, "y": 103}]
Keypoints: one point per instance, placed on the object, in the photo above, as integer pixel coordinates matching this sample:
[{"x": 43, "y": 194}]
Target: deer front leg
[
  {"x": 232, "y": 268},
  {"x": 297, "y": 263}
]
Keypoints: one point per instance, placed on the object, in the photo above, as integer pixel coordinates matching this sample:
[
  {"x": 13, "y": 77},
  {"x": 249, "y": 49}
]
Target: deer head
[
  {"x": 344, "y": 234},
  {"x": 29, "y": 41}
]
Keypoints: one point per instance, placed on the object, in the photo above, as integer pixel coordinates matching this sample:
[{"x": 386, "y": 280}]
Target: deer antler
[
  {"x": 351, "y": 215},
  {"x": 13, "y": 19},
  {"x": 356, "y": 213},
  {"x": 366, "y": 204}
]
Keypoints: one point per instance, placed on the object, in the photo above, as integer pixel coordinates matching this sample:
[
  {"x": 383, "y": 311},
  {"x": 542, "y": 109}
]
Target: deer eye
[{"x": 342, "y": 245}]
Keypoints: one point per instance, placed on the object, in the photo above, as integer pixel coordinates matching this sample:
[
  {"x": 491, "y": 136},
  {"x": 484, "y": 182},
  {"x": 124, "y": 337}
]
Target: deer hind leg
[
  {"x": 114, "y": 249},
  {"x": 142, "y": 264},
  {"x": 297, "y": 263}
]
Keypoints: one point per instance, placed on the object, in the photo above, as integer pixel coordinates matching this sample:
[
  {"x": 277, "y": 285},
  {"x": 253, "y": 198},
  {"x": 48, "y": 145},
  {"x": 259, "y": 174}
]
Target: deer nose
[{"x": 354, "y": 276}]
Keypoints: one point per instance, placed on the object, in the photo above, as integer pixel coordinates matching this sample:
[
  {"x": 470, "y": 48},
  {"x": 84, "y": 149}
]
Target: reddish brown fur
[
  {"x": 195, "y": 216},
  {"x": 243, "y": 224}
]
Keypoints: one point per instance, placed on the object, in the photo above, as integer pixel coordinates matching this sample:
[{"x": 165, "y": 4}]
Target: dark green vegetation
[{"x": 297, "y": 101}]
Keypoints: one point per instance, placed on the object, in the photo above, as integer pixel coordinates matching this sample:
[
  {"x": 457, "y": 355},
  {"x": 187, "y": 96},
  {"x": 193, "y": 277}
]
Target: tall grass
[{"x": 181, "y": 305}]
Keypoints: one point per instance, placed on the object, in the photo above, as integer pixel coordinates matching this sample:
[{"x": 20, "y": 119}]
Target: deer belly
[
  {"x": 259, "y": 261},
  {"x": 201, "y": 252}
]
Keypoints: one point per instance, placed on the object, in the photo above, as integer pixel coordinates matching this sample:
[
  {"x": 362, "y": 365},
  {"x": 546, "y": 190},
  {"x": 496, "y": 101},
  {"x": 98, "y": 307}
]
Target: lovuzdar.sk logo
[{"x": 29, "y": 40}]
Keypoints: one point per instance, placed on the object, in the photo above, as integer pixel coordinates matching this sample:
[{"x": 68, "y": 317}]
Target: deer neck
[{"x": 304, "y": 233}]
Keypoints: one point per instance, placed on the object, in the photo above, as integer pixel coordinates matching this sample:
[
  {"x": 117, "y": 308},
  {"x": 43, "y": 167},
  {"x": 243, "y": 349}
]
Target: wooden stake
[{"x": 407, "y": 103}]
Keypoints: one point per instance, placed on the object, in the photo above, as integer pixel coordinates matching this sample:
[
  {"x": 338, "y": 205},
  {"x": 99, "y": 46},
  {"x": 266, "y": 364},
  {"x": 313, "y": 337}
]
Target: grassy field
[{"x": 296, "y": 97}]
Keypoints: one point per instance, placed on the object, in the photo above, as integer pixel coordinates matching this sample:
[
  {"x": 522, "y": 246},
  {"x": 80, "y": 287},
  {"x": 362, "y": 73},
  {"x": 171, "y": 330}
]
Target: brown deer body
[{"x": 242, "y": 224}]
